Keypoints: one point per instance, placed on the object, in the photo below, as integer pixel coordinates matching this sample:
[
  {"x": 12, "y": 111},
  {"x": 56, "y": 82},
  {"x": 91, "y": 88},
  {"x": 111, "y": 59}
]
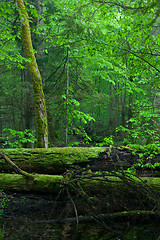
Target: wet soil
[{"x": 26, "y": 217}]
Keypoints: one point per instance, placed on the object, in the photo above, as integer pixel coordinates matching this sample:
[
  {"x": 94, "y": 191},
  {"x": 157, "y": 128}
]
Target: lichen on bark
[{"x": 39, "y": 99}]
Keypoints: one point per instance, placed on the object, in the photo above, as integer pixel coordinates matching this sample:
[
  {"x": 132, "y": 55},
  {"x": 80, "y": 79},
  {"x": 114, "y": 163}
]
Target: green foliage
[
  {"x": 145, "y": 153},
  {"x": 107, "y": 141},
  {"x": 77, "y": 120},
  {"x": 80, "y": 132},
  {"x": 17, "y": 139},
  {"x": 140, "y": 130},
  {"x": 9, "y": 50},
  {"x": 148, "y": 151},
  {"x": 113, "y": 69},
  {"x": 3, "y": 201}
]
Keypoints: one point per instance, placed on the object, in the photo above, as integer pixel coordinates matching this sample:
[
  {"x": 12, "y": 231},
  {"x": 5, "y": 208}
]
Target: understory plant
[
  {"x": 146, "y": 155},
  {"x": 139, "y": 131},
  {"x": 75, "y": 120},
  {"x": 3, "y": 203},
  {"x": 17, "y": 139},
  {"x": 106, "y": 141}
]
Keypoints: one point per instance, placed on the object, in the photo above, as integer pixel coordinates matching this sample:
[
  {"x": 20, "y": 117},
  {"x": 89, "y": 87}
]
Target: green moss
[
  {"x": 41, "y": 183},
  {"x": 40, "y": 107},
  {"x": 54, "y": 183},
  {"x": 52, "y": 159}
]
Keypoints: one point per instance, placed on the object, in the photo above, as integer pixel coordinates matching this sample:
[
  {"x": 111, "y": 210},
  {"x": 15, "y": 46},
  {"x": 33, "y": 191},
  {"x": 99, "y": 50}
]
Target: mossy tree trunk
[{"x": 40, "y": 108}]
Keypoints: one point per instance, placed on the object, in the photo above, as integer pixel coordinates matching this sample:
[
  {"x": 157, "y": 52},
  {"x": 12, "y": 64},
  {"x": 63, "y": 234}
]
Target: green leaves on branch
[
  {"x": 77, "y": 119},
  {"x": 107, "y": 141},
  {"x": 139, "y": 130},
  {"x": 145, "y": 155},
  {"x": 17, "y": 139}
]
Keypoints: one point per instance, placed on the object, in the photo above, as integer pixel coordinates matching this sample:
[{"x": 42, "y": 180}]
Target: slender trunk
[
  {"x": 123, "y": 105},
  {"x": 99, "y": 102},
  {"x": 13, "y": 116},
  {"x": 1, "y": 119},
  {"x": 21, "y": 125},
  {"x": 130, "y": 103},
  {"x": 67, "y": 91},
  {"x": 130, "y": 97},
  {"x": 40, "y": 108}
]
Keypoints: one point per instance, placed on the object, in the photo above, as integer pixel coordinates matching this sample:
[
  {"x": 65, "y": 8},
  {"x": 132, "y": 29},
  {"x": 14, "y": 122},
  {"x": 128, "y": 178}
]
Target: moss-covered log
[
  {"x": 54, "y": 183},
  {"x": 49, "y": 161},
  {"x": 40, "y": 183}
]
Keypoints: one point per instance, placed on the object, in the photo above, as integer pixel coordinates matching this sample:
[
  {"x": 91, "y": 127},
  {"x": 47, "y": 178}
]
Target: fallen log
[
  {"x": 84, "y": 184},
  {"x": 116, "y": 189},
  {"x": 54, "y": 183},
  {"x": 51, "y": 160},
  {"x": 39, "y": 184},
  {"x": 58, "y": 160},
  {"x": 136, "y": 215}
]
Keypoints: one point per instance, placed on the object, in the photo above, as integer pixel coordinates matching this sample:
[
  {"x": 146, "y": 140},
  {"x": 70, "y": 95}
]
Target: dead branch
[{"x": 15, "y": 167}]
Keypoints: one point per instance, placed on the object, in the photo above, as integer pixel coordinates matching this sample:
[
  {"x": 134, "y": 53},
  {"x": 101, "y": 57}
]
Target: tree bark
[
  {"x": 40, "y": 107},
  {"x": 67, "y": 92}
]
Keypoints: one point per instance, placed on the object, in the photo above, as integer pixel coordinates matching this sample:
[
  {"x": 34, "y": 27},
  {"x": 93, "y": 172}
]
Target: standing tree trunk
[
  {"x": 130, "y": 103},
  {"x": 67, "y": 91},
  {"x": 40, "y": 107}
]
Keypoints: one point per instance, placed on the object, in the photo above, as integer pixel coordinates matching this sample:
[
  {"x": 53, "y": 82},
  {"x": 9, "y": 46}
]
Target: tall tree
[{"x": 40, "y": 107}]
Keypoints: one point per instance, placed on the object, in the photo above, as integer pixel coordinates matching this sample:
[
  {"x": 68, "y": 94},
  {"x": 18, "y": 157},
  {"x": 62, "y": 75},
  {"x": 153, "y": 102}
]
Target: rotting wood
[
  {"x": 137, "y": 214},
  {"x": 58, "y": 160},
  {"x": 15, "y": 167},
  {"x": 38, "y": 184},
  {"x": 55, "y": 183},
  {"x": 91, "y": 180},
  {"x": 51, "y": 160},
  {"x": 114, "y": 187}
]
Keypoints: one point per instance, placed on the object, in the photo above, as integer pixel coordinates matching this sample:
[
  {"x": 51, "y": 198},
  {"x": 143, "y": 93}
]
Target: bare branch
[{"x": 15, "y": 167}]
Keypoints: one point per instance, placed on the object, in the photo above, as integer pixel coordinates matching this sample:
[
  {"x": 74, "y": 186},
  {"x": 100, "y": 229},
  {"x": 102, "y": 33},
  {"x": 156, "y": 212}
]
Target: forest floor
[
  {"x": 27, "y": 214},
  {"x": 45, "y": 204}
]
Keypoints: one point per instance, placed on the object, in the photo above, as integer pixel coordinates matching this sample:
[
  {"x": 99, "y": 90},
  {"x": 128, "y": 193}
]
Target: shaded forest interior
[
  {"x": 77, "y": 74},
  {"x": 99, "y": 64}
]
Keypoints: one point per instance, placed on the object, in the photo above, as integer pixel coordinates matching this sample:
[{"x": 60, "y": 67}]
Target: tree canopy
[{"x": 99, "y": 62}]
